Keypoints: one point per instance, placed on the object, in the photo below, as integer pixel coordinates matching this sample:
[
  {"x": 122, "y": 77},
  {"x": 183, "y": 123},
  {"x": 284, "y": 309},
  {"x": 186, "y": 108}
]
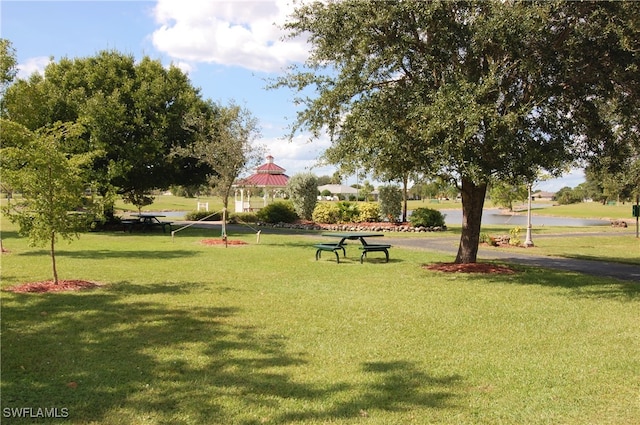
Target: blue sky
[{"x": 228, "y": 48}]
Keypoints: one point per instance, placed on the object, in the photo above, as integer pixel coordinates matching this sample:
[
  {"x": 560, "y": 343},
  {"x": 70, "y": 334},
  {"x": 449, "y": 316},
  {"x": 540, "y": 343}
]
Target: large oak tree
[
  {"x": 489, "y": 89},
  {"x": 132, "y": 111}
]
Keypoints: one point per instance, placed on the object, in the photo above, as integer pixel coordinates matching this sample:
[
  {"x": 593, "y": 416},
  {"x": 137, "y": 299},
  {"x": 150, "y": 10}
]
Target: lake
[{"x": 493, "y": 216}]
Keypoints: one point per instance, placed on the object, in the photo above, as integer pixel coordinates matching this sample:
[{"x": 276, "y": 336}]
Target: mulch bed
[
  {"x": 50, "y": 286},
  {"x": 221, "y": 242},
  {"x": 483, "y": 268}
]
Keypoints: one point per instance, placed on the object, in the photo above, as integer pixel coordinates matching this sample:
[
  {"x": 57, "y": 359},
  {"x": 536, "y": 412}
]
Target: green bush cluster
[
  {"x": 326, "y": 213},
  {"x": 346, "y": 212},
  {"x": 369, "y": 212},
  {"x": 243, "y": 217},
  {"x": 199, "y": 215},
  {"x": 277, "y": 212},
  {"x": 426, "y": 217}
]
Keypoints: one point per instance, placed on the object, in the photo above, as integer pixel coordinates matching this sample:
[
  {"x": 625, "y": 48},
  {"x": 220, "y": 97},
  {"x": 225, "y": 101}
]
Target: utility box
[{"x": 636, "y": 210}]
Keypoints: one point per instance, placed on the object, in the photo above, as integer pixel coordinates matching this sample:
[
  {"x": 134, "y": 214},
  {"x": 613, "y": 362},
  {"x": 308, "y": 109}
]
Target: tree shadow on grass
[
  {"x": 393, "y": 386},
  {"x": 99, "y": 254},
  {"x": 100, "y": 356},
  {"x": 106, "y": 356},
  {"x": 578, "y": 284}
]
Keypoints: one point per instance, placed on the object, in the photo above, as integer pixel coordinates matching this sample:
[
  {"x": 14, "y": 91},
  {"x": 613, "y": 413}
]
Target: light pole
[{"x": 528, "y": 242}]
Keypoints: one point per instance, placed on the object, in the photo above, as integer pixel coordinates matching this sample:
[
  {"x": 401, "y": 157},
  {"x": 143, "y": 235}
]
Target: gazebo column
[{"x": 239, "y": 203}]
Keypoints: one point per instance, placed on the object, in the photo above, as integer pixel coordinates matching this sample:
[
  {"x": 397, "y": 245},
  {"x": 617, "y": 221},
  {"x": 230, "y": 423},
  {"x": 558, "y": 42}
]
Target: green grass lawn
[{"x": 183, "y": 333}]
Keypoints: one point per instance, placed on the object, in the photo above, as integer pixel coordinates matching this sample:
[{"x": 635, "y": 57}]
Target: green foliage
[
  {"x": 390, "y": 198},
  {"x": 426, "y": 217},
  {"x": 8, "y": 64},
  {"x": 278, "y": 212},
  {"x": 52, "y": 184},
  {"x": 303, "y": 192},
  {"x": 223, "y": 139},
  {"x": 515, "y": 236},
  {"x": 199, "y": 215},
  {"x": 132, "y": 111},
  {"x": 567, "y": 195},
  {"x": 345, "y": 212},
  {"x": 462, "y": 89},
  {"x": 504, "y": 194},
  {"x": 243, "y": 217},
  {"x": 138, "y": 198},
  {"x": 349, "y": 212},
  {"x": 326, "y": 212},
  {"x": 368, "y": 212},
  {"x": 486, "y": 238}
]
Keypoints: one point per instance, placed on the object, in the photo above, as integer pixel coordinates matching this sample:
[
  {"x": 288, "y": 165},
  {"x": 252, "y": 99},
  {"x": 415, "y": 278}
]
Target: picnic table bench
[
  {"x": 374, "y": 248},
  {"x": 361, "y": 236},
  {"x": 333, "y": 247}
]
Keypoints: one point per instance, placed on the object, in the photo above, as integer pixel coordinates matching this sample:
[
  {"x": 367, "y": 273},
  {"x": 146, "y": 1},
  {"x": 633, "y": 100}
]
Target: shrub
[
  {"x": 326, "y": 213},
  {"x": 369, "y": 212},
  {"x": 243, "y": 217},
  {"x": 199, "y": 215},
  {"x": 485, "y": 238},
  {"x": 348, "y": 212},
  {"x": 277, "y": 212},
  {"x": 515, "y": 236},
  {"x": 303, "y": 191},
  {"x": 426, "y": 217},
  {"x": 390, "y": 202}
]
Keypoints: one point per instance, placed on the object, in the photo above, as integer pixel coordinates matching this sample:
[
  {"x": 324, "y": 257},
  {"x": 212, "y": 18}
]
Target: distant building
[
  {"x": 543, "y": 196},
  {"x": 268, "y": 177},
  {"x": 338, "y": 189}
]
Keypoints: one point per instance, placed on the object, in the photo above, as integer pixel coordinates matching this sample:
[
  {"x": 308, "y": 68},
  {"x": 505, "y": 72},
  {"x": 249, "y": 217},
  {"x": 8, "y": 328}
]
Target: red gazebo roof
[{"x": 267, "y": 175}]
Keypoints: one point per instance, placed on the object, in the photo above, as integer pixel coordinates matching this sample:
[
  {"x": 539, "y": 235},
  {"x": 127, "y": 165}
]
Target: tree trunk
[
  {"x": 405, "y": 183},
  {"x": 472, "y": 203},
  {"x": 53, "y": 258}
]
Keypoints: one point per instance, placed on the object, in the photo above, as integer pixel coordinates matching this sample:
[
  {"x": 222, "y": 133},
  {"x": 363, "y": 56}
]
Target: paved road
[{"x": 626, "y": 272}]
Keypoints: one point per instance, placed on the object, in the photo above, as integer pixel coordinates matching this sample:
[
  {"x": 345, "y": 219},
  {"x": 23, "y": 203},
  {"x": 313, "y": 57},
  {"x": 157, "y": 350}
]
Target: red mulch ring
[
  {"x": 221, "y": 242},
  {"x": 49, "y": 286},
  {"x": 485, "y": 268}
]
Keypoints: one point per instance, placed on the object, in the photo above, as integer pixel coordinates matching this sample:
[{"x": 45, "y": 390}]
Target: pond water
[{"x": 454, "y": 217}]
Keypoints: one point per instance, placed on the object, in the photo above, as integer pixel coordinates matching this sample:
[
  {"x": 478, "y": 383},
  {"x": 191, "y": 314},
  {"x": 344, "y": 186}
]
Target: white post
[{"x": 528, "y": 242}]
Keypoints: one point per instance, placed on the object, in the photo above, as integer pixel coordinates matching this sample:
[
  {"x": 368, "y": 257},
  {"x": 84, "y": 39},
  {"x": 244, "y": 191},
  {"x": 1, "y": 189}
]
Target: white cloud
[
  {"x": 36, "y": 64},
  {"x": 298, "y": 155},
  {"x": 227, "y": 32}
]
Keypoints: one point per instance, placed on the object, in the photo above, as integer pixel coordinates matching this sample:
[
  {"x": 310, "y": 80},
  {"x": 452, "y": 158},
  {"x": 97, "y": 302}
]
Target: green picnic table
[{"x": 366, "y": 247}]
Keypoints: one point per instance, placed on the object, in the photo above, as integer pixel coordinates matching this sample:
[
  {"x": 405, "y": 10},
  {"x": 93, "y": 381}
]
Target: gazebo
[{"x": 269, "y": 177}]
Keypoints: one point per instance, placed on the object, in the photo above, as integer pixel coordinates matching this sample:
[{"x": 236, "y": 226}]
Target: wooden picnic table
[{"x": 344, "y": 237}]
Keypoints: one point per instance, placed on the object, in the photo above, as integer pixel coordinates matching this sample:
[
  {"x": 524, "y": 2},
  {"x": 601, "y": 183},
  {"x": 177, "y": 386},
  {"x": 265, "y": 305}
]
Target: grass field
[{"x": 183, "y": 333}]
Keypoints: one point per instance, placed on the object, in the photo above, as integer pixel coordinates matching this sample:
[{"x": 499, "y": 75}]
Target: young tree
[
  {"x": 483, "y": 89},
  {"x": 303, "y": 191},
  {"x": 52, "y": 186},
  {"x": 224, "y": 142},
  {"x": 504, "y": 194}
]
